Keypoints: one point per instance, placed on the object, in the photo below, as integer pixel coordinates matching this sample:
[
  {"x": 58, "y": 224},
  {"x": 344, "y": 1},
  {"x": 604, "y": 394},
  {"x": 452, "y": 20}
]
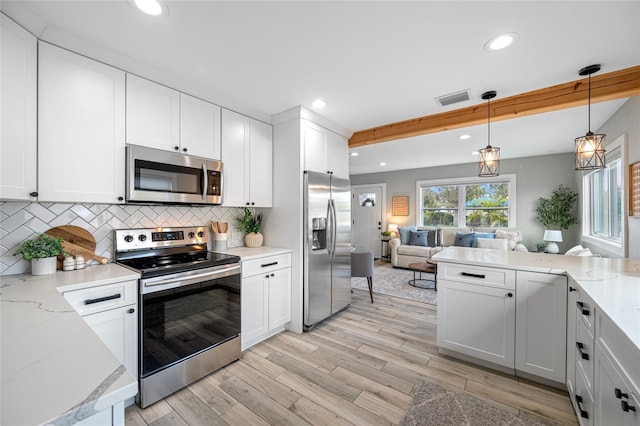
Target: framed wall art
[{"x": 400, "y": 205}]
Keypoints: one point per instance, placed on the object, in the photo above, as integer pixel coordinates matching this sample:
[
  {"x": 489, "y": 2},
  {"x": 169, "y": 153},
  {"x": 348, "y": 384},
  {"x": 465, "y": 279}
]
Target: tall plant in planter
[
  {"x": 251, "y": 224},
  {"x": 558, "y": 212}
]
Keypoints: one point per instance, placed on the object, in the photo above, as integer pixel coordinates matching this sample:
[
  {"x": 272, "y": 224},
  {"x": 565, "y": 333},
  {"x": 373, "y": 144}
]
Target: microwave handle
[{"x": 205, "y": 185}]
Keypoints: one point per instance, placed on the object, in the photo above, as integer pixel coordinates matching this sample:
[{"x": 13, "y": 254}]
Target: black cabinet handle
[
  {"x": 131, "y": 310},
  {"x": 626, "y": 407},
  {"x": 102, "y": 299},
  {"x": 247, "y": 203},
  {"x": 120, "y": 198},
  {"x": 469, "y": 274},
  {"x": 583, "y": 413},
  {"x": 264, "y": 265},
  {"x": 266, "y": 276},
  {"x": 571, "y": 289},
  {"x": 177, "y": 148},
  {"x": 33, "y": 194},
  {"x": 583, "y": 310},
  {"x": 273, "y": 275},
  {"x": 509, "y": 294},
  {"x": 184, "y": 149},
  {"x": 619, "y": 394},
  {"x": 583, "y": 354}
]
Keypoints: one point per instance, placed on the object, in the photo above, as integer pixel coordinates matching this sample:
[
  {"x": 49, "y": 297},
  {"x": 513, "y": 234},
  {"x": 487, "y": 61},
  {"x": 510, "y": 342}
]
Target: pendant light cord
[
  {"x": 589, "y": 107},
  {"x": 489, "y": 122}
]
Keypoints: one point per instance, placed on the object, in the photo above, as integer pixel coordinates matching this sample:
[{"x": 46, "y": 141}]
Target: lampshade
[
  {"x": 553, "y": 236},
  {"x": 489, "y": 157},
  {"x": 393, "y": 228},
  {"x": 589, "y": 149}
]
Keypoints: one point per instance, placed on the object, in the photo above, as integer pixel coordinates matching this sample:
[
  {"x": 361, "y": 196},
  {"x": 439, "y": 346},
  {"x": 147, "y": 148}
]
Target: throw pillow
[
  {"x": 488, "y": 235},
  {"x": 573, "y": 250},
  {"x": 490, "y": 243},
  {"x": 418, "y": 238},
  {"x": 464, "y": 239},
  {"x": 511, "y": 237},
  {"x": 404, "y": 233}
]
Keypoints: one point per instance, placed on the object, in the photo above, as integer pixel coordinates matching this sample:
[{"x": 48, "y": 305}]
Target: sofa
[{"x": 404, "y": 250}]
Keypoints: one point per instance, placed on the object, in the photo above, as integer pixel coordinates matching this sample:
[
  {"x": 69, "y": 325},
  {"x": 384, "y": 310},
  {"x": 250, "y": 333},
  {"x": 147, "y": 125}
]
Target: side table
[
  {"x": 420, "y": 267},
  {"x": 384, "y": 254}
]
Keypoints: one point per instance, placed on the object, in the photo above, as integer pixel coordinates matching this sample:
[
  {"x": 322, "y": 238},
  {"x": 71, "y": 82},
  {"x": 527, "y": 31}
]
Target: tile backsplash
[{"x": 20, "y": 221}]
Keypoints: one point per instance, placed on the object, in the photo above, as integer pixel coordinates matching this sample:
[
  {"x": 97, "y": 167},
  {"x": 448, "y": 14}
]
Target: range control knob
[
  {"x": 128, "y": 238},
  {"x": 192, "y": 234},
  {"x": 142, "y": 237},
  {"x": 200, "y": 234}
]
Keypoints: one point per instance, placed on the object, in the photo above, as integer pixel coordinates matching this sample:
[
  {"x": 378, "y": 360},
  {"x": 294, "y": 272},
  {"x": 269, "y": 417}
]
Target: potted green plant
[
  {"x": 42, "y": 253},
  {"x": 251, "y": 224},
  {"x": 557, "y": 212},
  {"x": 541, "y": 246}
]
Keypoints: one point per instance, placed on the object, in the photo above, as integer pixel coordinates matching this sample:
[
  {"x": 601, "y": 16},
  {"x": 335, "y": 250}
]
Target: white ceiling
[{"x": 374, "y": 62}]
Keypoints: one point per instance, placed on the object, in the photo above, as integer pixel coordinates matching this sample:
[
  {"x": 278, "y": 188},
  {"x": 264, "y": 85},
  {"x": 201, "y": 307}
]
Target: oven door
[
  {"x": 166, "y": 177},
  {"x": 185, "y": 317}
]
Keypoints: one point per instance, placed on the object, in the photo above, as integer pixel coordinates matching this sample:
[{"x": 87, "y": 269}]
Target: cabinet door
[
  {"x": 571, "y": 337},
  {"x": 255, "y": 314},
  {"x": 81, "y": 128},
  {"x": 609, "y": 408},
  {"x": 260, "y": 165},
  {"x": 338, "y": 155},
  {"x": 18, "y": 144},
  {"x": 279, "y": 298},
  {"x": 315, "y": 148},
  {"x": 235, "y": 131},
  {"x": 118, "y": 329},
  {"x": 476, "y": 320},
  {"x": 541, "y": 318},
  {"x": 153, "y": 114},
  {"x": 199, "y": 127}
]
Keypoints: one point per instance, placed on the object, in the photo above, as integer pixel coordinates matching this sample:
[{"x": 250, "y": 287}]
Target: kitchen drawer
[
  {"x": 102, "y": 298},
  {"x": 583, "y": 400},
  {"x": 492, "y": 277},
  {"x": 618, "y": 346},
  {"x": 585, "y": 352},
  {"x": 266, "y": 264},
  {"x": 586, "y": 310}
]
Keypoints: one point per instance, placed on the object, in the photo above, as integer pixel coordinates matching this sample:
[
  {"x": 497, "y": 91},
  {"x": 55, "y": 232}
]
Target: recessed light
[
  {"x": 474, "y": 153},
  {"x": 464, "y": 137},
  {"x": 150, "y": 7},
  {"x": 319, "y": 103},
  {"x": 383, "y": 164},
  {"x": 500, "y": 41},
  {"x": 354, "y": 154}
]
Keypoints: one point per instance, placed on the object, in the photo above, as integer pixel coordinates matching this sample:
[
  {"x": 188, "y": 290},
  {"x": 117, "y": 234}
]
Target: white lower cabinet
[
  {"x": 541, "y": 312},
  {"x": 616, "y": 401},
  {"x": 265, "y": 298}
]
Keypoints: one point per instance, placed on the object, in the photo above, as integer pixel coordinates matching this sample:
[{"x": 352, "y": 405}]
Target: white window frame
[
  {"x": 510, "y": 179},
  {"x": 614, "y": 247}
]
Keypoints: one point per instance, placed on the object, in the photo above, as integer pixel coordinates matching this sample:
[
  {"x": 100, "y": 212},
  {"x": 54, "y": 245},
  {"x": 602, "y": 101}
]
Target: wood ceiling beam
[{"x": 605, "y": 87}]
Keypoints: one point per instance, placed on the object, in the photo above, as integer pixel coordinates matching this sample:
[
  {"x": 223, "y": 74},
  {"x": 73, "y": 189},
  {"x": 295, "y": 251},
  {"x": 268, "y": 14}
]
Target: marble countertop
[
  {"x": 249, "y": 253},
  {"x": 54, "y": 368},
  {"x": 613, "y": 284}
]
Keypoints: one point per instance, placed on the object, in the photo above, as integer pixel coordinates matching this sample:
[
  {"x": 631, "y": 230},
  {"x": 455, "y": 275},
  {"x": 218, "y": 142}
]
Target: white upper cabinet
[
  {"x": 325, "y": 151},
  {"x": 163, "y": 118},
  {"x": 18, "y": 146},
  {"x": 247, "y": 154},
  {"x": 199, "y": 127},
  {"x": 81, "y": 125},
  {"x": 153, "y": 114}
]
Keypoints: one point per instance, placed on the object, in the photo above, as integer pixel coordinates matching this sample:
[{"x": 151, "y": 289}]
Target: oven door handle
[{"x": 218, "y": 273}]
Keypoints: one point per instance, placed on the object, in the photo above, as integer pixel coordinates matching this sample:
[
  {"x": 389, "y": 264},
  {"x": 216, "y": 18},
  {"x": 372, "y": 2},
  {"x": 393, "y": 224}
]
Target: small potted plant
[
  {"x": 42, "y": 253},
  {"x": 250, "y": 225},
  {"x": 385, "y": 235},
  {"x": 541, "y": 246}
]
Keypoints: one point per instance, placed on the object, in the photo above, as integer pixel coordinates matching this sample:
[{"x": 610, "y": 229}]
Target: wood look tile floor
[{"x": 362, "y": 367}]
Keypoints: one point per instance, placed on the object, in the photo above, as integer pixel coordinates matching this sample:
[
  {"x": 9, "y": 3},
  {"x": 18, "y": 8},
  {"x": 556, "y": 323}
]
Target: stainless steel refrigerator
[{"x": 327, "y": 246}]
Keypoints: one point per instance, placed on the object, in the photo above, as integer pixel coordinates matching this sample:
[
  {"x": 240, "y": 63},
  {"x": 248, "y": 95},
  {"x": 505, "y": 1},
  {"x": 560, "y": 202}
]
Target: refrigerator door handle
[
  {"x": 330, "y": 235},
  {"x": 333, "y": 230}
]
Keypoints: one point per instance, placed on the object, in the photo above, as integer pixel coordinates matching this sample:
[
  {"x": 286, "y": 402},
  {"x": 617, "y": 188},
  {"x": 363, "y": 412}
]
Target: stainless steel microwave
[{"x": 156, "y": 176}]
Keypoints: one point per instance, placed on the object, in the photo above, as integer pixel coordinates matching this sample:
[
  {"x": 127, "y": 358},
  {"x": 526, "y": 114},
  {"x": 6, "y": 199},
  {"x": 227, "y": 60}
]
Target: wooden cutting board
[{"x": 76, "y": 241}]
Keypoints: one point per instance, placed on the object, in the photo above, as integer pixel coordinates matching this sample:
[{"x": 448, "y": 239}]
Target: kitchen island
[
  {"x": 55, "y": 369},
  {"x": 559, "y": 320}
]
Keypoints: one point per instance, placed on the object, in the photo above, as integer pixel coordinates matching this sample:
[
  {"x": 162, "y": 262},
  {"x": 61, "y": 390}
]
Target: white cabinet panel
[
  {"x": 255, "y": 314},
  {"x": 199, "y": 127},
  {"x": 541, "y": 339},
  {"x": 153, "y": 114},
  {"x": 279, "y": 298},
  {"x": 18, "y": 108},
  {"x": 616, "y": 402},
  {"x": 476, "y": 320},
  {"x": 81, "y": 112},
  {"x": 261, "y": 165},
  {"x": 325, "y": 151}
]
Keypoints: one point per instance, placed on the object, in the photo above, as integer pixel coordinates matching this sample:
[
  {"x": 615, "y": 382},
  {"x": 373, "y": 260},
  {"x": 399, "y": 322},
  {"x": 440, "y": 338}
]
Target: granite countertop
[
  {"x": 249, "y": 253},
  {"x": 54, "y": 368},
  {"x": 613, "y": 284}
]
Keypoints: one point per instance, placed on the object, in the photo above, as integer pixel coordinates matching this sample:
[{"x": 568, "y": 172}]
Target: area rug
[
  {"x": 395, "y": 282},
  {"x": 435, "y": 405}
]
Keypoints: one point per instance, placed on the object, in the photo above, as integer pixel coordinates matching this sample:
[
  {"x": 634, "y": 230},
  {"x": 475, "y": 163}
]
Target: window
[
  {"x": 470, "y": 202},
  {"x": 603, "y": 200}
]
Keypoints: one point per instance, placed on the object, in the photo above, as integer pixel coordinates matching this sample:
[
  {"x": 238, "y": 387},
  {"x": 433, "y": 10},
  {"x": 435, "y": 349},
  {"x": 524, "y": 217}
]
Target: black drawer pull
[
  {"x": 571, "y": 289},
  {"x": 582, "y": 353},
  {"x": 619, "y": 394},
  {"x": 269, "y": 264},
  {"x": 131, "y": 310},
  {"x": 583, "y": 310},
  {"x": 626, "y": 407},
  {"x": 469, "y": 274},
  {"x": 102, "y": 299},
  {"x": 583, "y": 412}
]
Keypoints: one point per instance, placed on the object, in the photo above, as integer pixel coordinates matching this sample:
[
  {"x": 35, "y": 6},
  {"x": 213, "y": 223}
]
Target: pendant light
[
  {"x": 589, "y": 149},
  {"x": 489, "y": 157}
]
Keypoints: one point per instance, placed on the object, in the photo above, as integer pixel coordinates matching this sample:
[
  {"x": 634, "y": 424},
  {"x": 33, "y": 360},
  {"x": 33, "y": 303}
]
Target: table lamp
[
  {"x": 552, "y": 237},
  {"x": 393, "y": 229}
]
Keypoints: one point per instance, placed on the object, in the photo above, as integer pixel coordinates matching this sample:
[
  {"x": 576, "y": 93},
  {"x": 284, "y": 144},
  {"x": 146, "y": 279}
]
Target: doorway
[{"x": 367, "y": 208}]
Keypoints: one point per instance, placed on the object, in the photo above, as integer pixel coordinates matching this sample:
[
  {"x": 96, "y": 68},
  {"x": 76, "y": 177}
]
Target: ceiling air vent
[{"x": 453, "y": 98}]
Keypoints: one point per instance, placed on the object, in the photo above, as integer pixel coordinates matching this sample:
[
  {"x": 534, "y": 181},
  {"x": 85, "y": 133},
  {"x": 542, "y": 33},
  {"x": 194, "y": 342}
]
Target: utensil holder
[{"x": 220, "y": 241}]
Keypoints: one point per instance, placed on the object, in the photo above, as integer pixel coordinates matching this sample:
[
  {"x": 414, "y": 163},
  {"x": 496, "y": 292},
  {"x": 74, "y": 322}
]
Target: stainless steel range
[{"x": 189, "y": 306}]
